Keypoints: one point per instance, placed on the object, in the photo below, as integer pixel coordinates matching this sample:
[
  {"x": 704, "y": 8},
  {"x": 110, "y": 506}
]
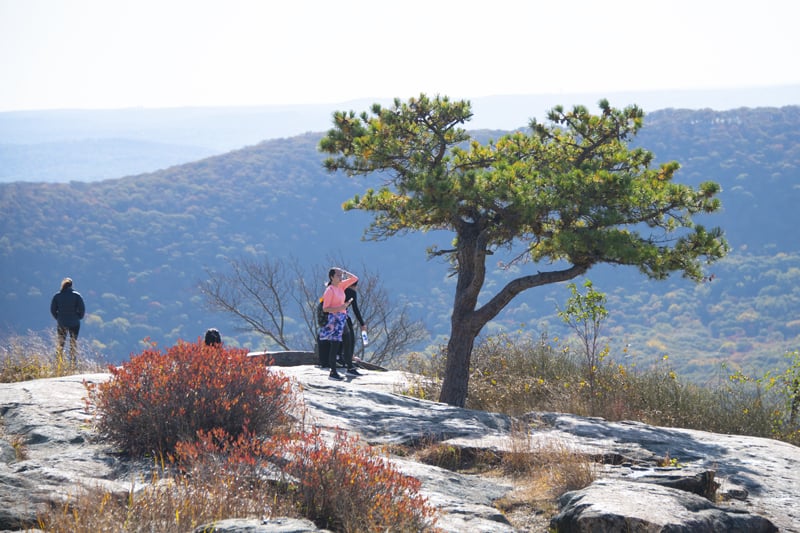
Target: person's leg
[
  {"x": 73, "y": 345},
  {"x": 340, "y": 355},
  {"x": 336, "y": 325},
  {"x": 323, "y": 352},
  {"x": 332, "y": 353},
  {"x": 349, "y": 349},
  {"x": 61, "y": 338},
  {"x": 349, "y": 344}
]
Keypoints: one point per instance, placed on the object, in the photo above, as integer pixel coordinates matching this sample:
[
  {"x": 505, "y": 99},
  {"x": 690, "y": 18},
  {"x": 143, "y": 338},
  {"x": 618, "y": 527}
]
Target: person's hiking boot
[
  {"x": 353, "y": 372},
  {"x": 335, "y": 375}
]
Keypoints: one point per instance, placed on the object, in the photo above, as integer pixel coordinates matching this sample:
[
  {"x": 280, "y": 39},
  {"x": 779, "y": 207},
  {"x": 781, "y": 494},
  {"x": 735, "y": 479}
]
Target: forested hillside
[{"x": 138, "y": 246}]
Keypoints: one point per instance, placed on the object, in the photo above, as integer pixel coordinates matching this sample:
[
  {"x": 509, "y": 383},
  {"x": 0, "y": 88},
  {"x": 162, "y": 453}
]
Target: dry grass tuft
[
  {"x": 519, "y": 375},
  {"x": 17, "y": 442},
  {"x": 166, "y": 503},
  {"x": 33, "y": 356},
  {"x": 541, "y": 473},
  {"x": 456, "y": 458},
  {"x": 548, "y": 468}
]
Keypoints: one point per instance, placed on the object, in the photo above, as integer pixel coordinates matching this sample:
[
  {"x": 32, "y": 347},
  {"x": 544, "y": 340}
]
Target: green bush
[{"x": 158, "y": 399}]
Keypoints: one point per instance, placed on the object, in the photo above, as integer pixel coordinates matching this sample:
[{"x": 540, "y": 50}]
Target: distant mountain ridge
[
  {"x": 124, "y": 142},
  {"x": 91, "y": 159},
  {"x": 137, "y": 246}
]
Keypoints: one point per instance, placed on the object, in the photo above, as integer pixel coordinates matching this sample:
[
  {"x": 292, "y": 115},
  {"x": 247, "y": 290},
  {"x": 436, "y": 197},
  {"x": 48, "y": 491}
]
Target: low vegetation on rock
[
  {"x": 256, "y": 458},
  {"x": 226, "y": 438},
  {"x": 518, "y": 374}
]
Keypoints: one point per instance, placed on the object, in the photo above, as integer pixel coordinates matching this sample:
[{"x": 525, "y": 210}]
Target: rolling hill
[{"x": 138, "y": 246}]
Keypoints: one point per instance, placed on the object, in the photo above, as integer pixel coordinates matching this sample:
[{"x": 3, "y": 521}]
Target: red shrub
[
  {"x": 344, "y": 486},
  {"x": 347, "y": 486},
  {"x": 158, "y": 399}
]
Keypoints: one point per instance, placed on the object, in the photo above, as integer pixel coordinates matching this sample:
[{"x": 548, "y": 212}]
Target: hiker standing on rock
[
  {"x": 67, "y": 308},
  {"x": 333, "y": 303}
]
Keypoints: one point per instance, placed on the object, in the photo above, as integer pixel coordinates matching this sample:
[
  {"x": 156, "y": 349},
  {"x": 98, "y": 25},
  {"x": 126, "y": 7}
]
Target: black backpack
[{"x": 322, "y": 316}]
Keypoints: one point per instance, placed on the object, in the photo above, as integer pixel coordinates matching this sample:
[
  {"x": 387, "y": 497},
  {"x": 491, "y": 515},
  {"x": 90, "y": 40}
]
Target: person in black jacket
[
  {"x": 349, "y": 339},
  {"x": 67, "y": 308}
]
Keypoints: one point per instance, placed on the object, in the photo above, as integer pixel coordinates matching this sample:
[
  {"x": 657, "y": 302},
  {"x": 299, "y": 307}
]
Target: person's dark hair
[
  {"x": 65, "y": 283},
  {"x": 331, "y": 273},
  {"x": 213, "y": 338}
]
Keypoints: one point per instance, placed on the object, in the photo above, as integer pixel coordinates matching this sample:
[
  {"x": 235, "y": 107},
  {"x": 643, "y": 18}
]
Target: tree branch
[{"x": 493, "y": 307}]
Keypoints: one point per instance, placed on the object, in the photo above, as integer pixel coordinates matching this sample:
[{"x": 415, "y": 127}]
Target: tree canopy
[{"x": 566, "y": 195}]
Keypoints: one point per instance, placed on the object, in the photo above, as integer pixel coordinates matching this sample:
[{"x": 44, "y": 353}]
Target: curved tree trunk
[
  {"x": 467, "y": 321},
  {"x": 464, "y": 324},
  {"x": 456, "y": 375}
]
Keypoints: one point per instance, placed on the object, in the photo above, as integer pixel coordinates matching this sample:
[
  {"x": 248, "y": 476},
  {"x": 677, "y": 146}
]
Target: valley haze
[{"x": 88, "y": 145}]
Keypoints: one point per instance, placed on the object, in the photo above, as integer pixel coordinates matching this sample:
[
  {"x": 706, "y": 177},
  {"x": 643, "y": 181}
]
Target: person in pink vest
[{"x": 334, "y": 303}]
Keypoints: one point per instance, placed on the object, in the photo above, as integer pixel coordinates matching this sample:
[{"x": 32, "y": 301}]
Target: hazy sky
[{"x": 100, "y": 54}]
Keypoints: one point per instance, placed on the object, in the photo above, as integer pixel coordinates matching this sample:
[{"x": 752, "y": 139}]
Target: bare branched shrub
[
  {"x": 518, "y": 374},
  {"x": 508, "y": 374},
  {"x": 276, "y": 299}
]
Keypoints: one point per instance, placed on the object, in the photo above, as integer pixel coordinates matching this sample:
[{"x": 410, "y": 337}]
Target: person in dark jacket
[
  {"x": 67, "y": 308},
  {"x": 349, "y": 338}
]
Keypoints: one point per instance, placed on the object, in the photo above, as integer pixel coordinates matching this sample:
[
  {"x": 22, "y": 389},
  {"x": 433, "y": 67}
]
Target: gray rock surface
[
  {"x": 759, "y": 478},
  {"x": 49, "y": 416},
  {"x": 610, "y": 506},
  {"x": 274, "y": 525}
]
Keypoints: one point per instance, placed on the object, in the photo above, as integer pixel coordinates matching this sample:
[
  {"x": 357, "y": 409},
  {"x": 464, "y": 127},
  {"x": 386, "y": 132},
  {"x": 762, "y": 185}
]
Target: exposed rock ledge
[{"x": 759, "y": 479}]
